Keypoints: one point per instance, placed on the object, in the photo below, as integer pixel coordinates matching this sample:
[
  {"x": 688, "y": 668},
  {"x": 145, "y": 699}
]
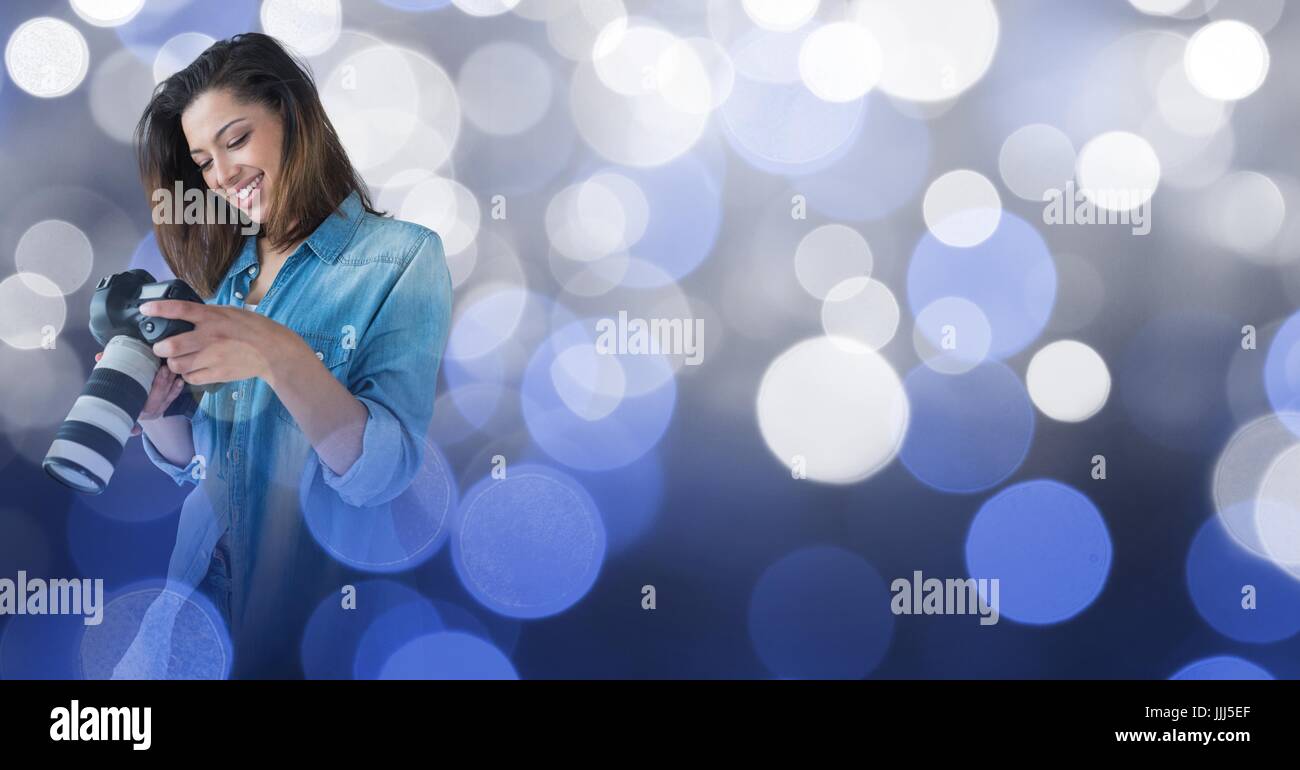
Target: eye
[
  {"x": 204, "y": 166},
  {"x": 238, "y": 142}
]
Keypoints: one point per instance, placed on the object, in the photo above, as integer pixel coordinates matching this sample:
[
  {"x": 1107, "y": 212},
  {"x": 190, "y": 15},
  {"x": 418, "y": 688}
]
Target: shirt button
[
  {"x": 320, "y": 356},
  {"x": 252, "y": 270},
  {"x": 239, "y": 295},
  {"x": 235, "y": 395}
]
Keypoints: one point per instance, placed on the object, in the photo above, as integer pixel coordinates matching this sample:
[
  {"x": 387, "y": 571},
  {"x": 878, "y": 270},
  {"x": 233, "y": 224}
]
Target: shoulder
[{"x": 385, "y": 239}]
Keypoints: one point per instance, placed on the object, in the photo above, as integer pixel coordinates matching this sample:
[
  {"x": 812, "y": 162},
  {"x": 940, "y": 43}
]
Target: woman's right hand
[{"x": 166, "y": 387}]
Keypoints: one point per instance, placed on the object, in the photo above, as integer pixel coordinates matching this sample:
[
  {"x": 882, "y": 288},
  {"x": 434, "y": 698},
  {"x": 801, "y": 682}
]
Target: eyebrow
[{"x": 217, "y": 138}]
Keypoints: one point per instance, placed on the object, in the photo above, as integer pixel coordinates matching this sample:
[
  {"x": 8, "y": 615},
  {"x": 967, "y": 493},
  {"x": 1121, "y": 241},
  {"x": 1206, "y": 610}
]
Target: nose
[{"x": 226, "y": 172}]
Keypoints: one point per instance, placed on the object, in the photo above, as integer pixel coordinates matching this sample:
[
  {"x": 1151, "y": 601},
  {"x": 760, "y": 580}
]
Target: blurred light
[
  {"x": 933, "y": 49},
  {"x": 107, "y": 13},
  {"x": 830, "y": 255},
  {"x": 449, "y": 654},
  {"x": 695, "y": 75},
  {"x": 969, "y": 431},
  {"x": 1220, "y": 668},
  {"x": 486, "y": 319},
  {"x": 390, "y": 632},
  {"x": 59, "y": 252},
  {"x": 837, "y": 190},
  {"x": 781, "y": 15},
  {"x": 820, "y": 613},
  {"x": 625, "y": 433},
  {"x": 1159, "y": 7},
  {"x": 32, "y": 310},
  {"x": 834, "y": 411},
  {"x": 1263, "y": 15},
  {"x": 861, "y": 309},
  {"x": 330, "y": 640},
  {"x": 1118, "y": 170},
  {"x": 528, "y": 545},
  {"x": 1068, "y": 381},
  {"x": 47, "y": 57},
  {"x": 962, "y": 208},
  {"x": 1218, "y": 569},
  {"x": 158, "y": 633},
  {"x": 1198, "y": 162},
  {"x": 1047, "y": 545},
  {"x": 1239, "y": 474},
  {"x": 485, "y": 7},
  {"x": 642, "y": 130},
  {"x": 1034, "y": 159},
  {"x": 119, "y": 91},
  {"x": 572, "y": 28},
  {"x": 1277, "y": 510},
  {"x": 952, "y": 335},
  {"x": 680, "y": 226},
  {"x": 1009, "y": 276},
  {"x": 445, "y": 206},
  {"x": 591, "y": 384},
  {"x": 178, "y": 52},
  {"x": 840, "y": 61},
  {"x": 1185, "y": 109},
  {"x": 505, "y": 88},
  {"x": 389, "y": 537},
  {"x": 1227, "y": 60},
  {"x": 309, "y": 27},
  {"x": 1281, "y": 372},
  {"x": 593, "y": 219},
  {"x": 41, "y": 385},
  {"x": 1244, "y": 212},
  {"x": 394, "y": 108},
  {"x": 162, "y": 20}
]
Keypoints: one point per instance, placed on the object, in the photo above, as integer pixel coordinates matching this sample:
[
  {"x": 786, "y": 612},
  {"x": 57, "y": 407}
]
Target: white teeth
[{"x": 247, "y": 191}]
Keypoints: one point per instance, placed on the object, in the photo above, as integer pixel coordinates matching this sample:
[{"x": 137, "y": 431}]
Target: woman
[{"x": 319, "y": 344}]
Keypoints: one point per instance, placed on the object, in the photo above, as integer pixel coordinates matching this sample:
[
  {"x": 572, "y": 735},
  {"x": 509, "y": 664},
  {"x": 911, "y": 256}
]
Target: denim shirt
[{"x": 372, "y": 297}]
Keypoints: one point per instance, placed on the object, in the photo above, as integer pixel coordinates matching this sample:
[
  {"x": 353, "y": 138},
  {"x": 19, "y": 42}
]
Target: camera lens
[{"x": 90, "y": 441}]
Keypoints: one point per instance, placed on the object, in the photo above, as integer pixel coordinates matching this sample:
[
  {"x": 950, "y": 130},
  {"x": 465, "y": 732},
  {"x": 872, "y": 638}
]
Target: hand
[
  {"x": 164, "y": 390},
  {"x": 227, "y": 343}
]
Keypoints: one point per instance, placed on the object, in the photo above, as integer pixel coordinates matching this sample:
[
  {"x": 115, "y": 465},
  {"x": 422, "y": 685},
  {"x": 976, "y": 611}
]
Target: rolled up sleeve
[
  {"x": 394, "y": 375},
  {"x": 190, "y": 474}
]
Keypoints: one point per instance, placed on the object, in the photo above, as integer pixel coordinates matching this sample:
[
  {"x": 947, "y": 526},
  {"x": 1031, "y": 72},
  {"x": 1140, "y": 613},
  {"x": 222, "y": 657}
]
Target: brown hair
[{"x": 316, "y": 174}]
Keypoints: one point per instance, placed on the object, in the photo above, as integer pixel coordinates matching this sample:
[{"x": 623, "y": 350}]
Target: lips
[{"x": 244, "y": 195}]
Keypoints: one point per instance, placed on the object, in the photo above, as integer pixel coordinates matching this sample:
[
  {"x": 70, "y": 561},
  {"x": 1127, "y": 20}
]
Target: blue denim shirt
[{"x": 372, "y": 296}]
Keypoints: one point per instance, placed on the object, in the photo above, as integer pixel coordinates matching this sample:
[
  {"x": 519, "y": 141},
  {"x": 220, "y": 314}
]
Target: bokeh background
[{"x": 904, "y": 367}]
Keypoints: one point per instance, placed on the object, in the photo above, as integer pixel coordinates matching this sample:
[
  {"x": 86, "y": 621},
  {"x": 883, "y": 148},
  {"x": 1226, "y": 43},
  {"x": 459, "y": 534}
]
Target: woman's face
[{"x": 236, "y": 146}]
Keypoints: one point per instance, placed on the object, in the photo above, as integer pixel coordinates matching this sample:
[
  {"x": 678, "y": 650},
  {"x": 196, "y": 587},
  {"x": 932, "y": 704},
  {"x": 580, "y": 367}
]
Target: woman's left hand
[{"x": 227, "y": 343}]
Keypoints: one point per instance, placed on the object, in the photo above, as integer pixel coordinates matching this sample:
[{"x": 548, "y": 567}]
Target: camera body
[
  {"x": 90, "y": 441},
  {"x": 115, "y": 308}
]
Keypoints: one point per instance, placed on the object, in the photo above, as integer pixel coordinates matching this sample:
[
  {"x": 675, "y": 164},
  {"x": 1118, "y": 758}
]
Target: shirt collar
[{"x": 326, "y": 241}]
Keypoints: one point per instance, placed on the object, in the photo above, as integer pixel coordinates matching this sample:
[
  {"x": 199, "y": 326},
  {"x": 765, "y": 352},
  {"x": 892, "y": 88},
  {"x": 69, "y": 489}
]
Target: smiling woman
[{"x": 318, "y": 344}]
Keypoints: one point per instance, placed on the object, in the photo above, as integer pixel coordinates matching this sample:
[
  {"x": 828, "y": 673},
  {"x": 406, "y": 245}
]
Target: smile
[{"x": 247, "y": 190}]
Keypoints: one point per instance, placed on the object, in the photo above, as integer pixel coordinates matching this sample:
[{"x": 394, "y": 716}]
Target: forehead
[{"x": 210, "y": 111}]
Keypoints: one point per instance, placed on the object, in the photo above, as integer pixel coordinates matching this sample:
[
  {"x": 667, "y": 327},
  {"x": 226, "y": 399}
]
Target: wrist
[{"x": 288, "y": 360}]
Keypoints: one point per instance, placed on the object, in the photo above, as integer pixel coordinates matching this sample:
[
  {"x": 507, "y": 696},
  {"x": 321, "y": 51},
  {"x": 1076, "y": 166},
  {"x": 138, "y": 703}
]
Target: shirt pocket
[{"x": 330, "y": 350}]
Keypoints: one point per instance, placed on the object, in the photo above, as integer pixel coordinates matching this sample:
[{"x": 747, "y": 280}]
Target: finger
[
  {"x": 201, "y": 376},
  {"x": 179, "y": 344},
  {"x": 98, "y": 356},
  {"x": 182, "y": 365},
  {"x": 136, "y": 430},
  {"x": 176, "y": 308}
]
